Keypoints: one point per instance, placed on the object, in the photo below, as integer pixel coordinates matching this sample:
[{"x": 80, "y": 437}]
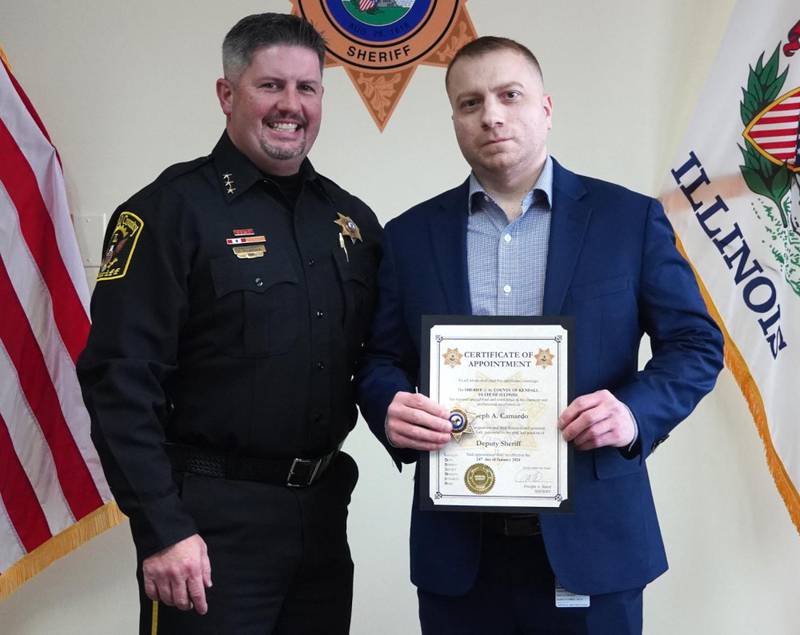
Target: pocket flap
[
  {"x": 609, "y": 463},
  {"x": 350, "y": 266},
  {"x": 256, "y": 275}
]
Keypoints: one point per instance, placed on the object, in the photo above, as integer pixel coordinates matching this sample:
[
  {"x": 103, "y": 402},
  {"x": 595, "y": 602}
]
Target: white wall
[{"x": 127, "y": 88}]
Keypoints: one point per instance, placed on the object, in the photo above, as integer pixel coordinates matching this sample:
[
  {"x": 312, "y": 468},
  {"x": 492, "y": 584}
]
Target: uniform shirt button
[
  {"x": 310, "y": 262},
  {"x": 321, "y": 365},
  {"x": 507, "y": 289},
  {"x": 320, "y": 314},
  {"x": 259, "y": 282},
  {"x": 507, "y": 238}
]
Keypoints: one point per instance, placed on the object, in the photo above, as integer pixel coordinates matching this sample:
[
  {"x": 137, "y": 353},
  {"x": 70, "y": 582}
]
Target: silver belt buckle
[{"x": 293, "y": 470}]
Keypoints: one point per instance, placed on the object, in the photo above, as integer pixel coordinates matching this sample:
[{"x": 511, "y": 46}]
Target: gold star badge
[
  {"x": 380, "y": 43},
  {"x": 452, "y": 357},
  {"x": 544, "y": 358},
  {"x": 460, "y": 420},
  {"x": 349, "y": 228}
]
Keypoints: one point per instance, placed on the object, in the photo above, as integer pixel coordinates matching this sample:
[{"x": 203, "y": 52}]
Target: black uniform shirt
[{"x": 227, "y": 318}]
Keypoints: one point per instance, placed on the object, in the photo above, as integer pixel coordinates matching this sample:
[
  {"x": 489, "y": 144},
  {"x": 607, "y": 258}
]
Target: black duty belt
[
  {"x": 512, "y": 525},
  {"x": 288, "y": 472}
]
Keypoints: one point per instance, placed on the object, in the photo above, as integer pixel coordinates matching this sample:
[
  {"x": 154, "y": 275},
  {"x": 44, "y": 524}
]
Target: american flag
[
  {"x": 366, "y": 5},
  {"x": 53, "y": 493}
]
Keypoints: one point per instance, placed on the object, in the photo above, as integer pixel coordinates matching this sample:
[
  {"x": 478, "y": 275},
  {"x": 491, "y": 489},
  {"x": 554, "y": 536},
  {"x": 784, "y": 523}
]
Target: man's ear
[{"x": 225, "y": 95}]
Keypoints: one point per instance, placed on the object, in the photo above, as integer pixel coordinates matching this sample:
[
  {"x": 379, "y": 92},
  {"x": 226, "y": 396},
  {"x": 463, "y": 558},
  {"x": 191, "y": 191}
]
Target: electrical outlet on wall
[{"x": 90, "y": 230}]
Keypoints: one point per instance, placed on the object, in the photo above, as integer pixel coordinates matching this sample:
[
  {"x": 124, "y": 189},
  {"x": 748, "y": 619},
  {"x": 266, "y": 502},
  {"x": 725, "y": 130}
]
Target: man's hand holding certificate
[{"x": 417, "y": 422}]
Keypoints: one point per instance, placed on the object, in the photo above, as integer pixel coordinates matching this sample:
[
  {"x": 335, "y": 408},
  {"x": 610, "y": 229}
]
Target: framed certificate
[{"x": 504, "y": 380}]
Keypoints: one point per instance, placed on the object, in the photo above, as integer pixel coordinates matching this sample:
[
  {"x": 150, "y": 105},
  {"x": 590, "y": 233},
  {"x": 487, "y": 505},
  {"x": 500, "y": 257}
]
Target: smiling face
[
  {"x": 274, "y": 107},
  {"x": 501, "y": 114}
]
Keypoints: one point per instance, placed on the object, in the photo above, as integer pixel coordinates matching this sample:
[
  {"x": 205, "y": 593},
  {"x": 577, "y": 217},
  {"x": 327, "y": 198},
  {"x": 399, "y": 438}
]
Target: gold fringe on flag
[
  {"x": 736, "y": 364},
  {"x": 4, "y": 58},
  {"x": 58, "y": 546}
]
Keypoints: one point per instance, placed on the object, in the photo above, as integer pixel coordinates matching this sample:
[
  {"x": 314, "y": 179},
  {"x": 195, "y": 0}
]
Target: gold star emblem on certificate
[
  {"x": 349, "y": 228},
  {"x": 452, "y": 357},
  {"x": 544, "y": 358}
]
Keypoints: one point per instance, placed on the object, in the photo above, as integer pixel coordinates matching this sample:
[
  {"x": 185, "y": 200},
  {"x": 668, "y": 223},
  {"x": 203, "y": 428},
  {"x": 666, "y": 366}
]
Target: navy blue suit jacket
[{"x": 613, "y": 265}]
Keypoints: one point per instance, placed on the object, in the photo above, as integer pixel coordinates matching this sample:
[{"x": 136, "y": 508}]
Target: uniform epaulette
[
  {"x": 330, "y": 184},
  {"x": 331, "y": 188},
  {"x": 170, "y": 174}
]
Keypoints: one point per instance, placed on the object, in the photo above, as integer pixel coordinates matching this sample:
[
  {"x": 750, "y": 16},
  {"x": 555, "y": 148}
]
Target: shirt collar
[
  {"x": 544, "y": 184},
  {"x": 236, "y": 173}
]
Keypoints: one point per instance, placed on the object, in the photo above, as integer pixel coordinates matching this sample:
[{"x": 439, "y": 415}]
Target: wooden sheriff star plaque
[{"x": 380, "y": 43}]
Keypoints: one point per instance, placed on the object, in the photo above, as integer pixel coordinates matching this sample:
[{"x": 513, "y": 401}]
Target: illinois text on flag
[
  {"x": 733, "y": 196},
  {"x": 53, "y": 495}
]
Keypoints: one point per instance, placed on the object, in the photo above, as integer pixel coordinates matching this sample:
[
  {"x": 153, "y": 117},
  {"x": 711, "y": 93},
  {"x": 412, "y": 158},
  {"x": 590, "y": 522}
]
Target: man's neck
[{"x": 508, "y": 189}]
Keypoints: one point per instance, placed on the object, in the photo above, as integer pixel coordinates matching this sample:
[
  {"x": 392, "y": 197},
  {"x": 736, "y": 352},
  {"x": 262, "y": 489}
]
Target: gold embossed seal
[{"x": 479, "y": 478}]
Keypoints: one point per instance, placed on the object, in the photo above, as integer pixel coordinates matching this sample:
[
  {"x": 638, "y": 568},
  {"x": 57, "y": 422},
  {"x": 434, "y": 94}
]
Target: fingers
[
  {"x": 206, "y": 565},
  {"x": 197, "y": 595},
  {"x": 597, "y": 420},
  {"x": 417, "y": 401},
  {"x": 580, "y": 405},
  {"x": 418, "y": 439},
  {"x": 150, "y": 589},
  {"x": 415, "y": 421},
  {"x": 164, "y": 591},
  {"x": 596, "y": 436},
  {"x": 157, "y": 586},
  {"x": 180, "y": 596},
  {"x": 178, "y": 575}
]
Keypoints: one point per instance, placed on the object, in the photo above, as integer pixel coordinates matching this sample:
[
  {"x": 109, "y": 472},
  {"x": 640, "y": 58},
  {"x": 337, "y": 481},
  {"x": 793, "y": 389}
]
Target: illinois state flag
[
  {"x": 53, "y": 495},
  {"x": 733, "y": 196}
]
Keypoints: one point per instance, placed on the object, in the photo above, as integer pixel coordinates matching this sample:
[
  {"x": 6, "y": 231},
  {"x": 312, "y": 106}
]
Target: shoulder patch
[{"x": 120, "y": 248}]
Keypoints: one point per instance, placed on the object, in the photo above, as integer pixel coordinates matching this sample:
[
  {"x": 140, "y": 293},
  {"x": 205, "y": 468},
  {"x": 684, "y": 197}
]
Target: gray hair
[{"x": 260, "y": 30}]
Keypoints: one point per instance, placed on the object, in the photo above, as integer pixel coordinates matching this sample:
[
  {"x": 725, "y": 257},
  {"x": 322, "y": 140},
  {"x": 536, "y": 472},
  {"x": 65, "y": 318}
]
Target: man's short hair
[
  {"x": 489, "y": 44},
  {"x": 260, "y": 30}
]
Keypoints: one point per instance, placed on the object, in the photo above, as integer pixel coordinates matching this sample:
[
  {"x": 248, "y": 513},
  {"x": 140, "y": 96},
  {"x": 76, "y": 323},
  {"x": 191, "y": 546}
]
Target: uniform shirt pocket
[
  {"x": 255, "y": 301},
  {"x": 355, "y": 279}
]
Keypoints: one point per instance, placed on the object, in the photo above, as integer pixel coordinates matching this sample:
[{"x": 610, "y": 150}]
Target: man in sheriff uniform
[{"x": 228, "y": 318}]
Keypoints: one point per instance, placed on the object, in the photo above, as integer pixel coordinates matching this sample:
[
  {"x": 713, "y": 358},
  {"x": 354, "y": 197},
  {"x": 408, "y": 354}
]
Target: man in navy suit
[{"x": 525, "y": 236}]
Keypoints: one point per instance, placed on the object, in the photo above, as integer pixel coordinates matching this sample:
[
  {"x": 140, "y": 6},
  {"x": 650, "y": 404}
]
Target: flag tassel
[
  {"x": 738, "y": 367},
  {"x": 88, "y": 527}
]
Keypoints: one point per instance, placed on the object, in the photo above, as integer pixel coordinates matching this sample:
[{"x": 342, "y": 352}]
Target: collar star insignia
[
  {"x": 349, "y": 228},
  {"x": 544, "y": 358},
  {"x": 227, "y": 179}
]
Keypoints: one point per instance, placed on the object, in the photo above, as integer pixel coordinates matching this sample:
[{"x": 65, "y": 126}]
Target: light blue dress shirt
[{"x": 507, "y": 262}]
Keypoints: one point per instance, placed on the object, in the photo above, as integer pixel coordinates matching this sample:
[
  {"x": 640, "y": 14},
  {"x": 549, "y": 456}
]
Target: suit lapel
[
  {"x": 568, "y": 225},
  {"x": 448, "y": 240}
]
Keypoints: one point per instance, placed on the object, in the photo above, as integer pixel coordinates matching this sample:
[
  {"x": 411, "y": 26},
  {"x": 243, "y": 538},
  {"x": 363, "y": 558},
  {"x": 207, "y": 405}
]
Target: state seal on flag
[
  {"x": 381, "y": 42},
  {"x": 771, "y": 117}
]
